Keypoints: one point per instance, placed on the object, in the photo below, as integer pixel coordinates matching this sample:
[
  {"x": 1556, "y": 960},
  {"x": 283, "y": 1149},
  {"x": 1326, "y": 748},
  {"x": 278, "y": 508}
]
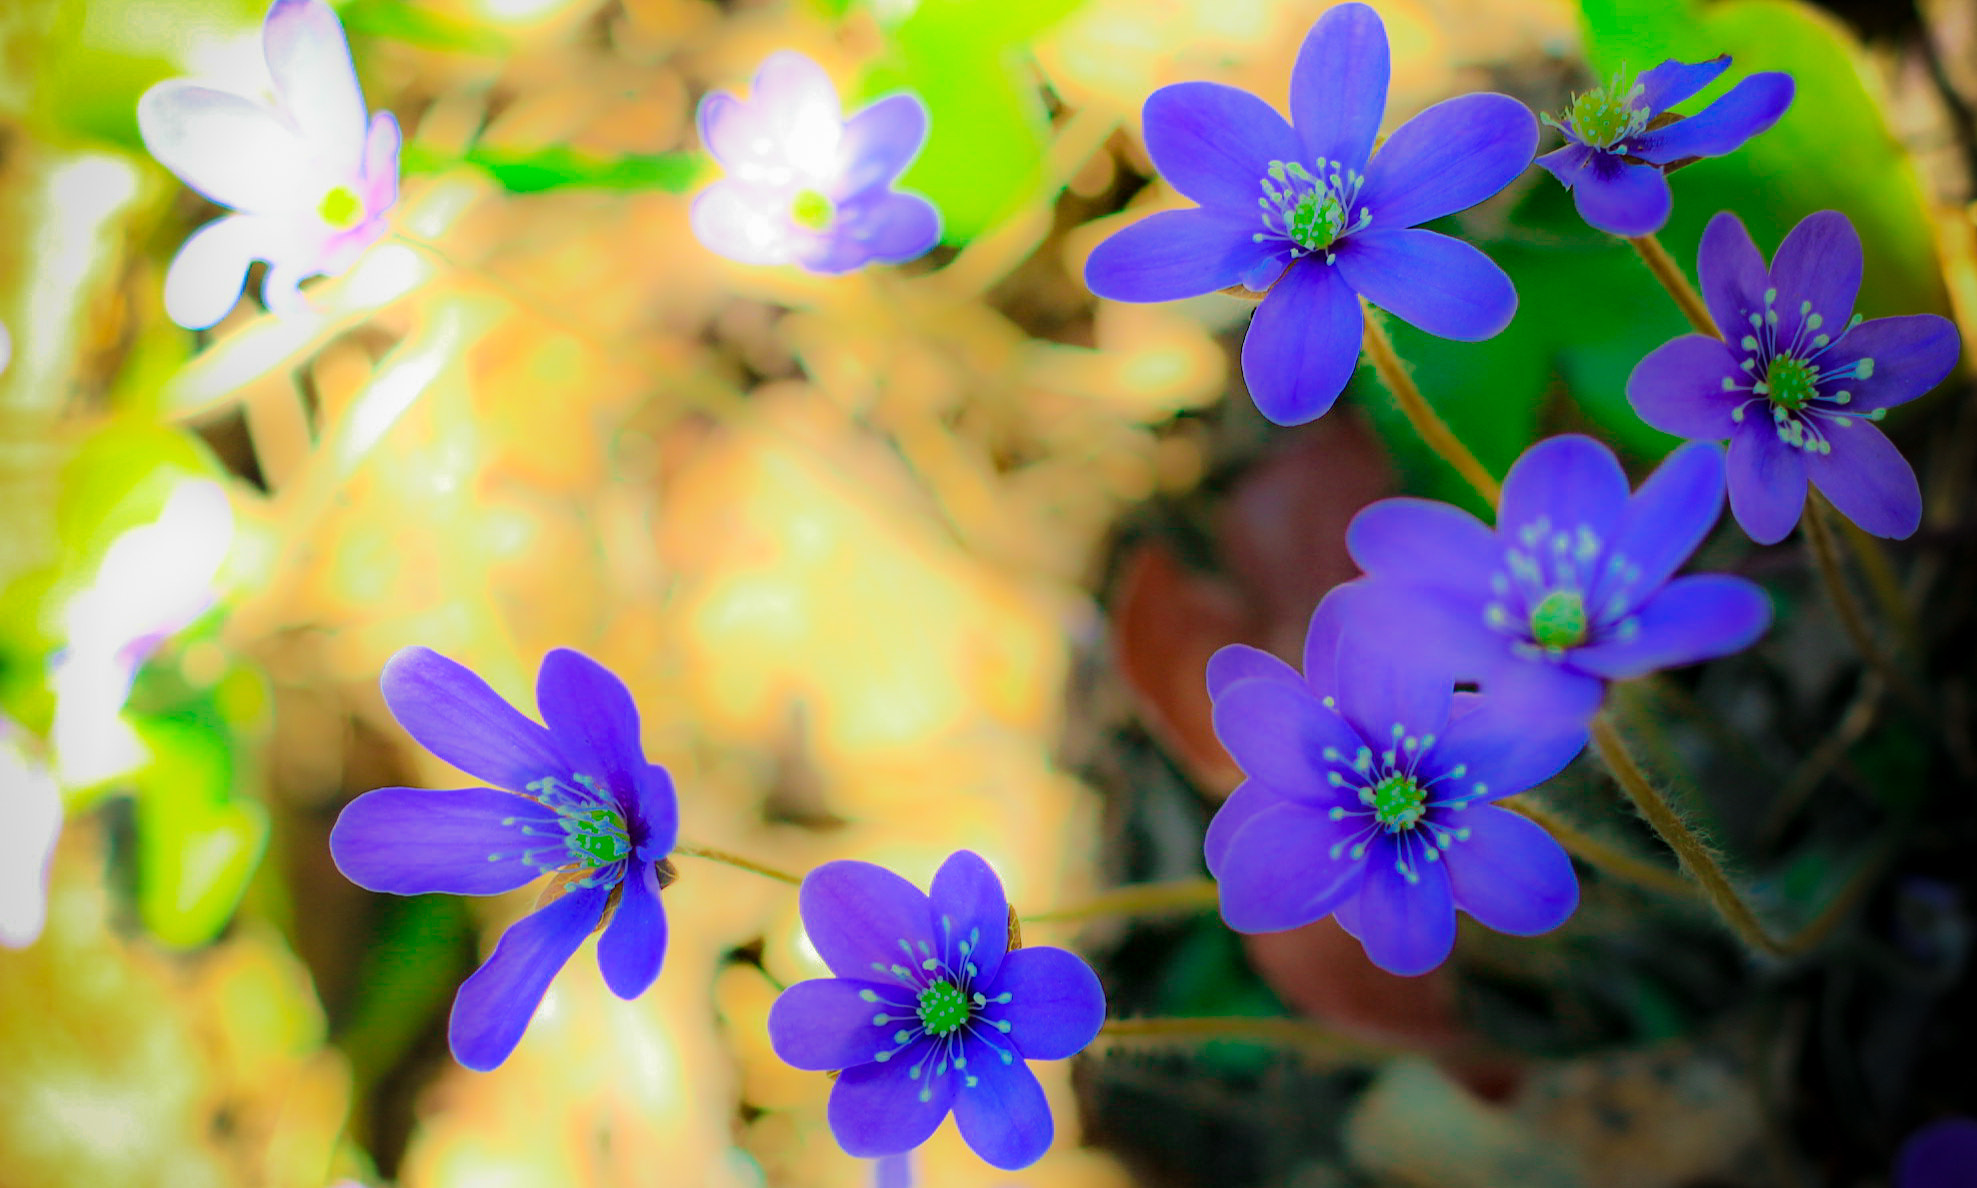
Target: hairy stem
[
  {"x": 1826, "y": 553},
  {"x": 1433, "y": 430},
  {"x": 1136, "y": 899},
  {"x": 738, "y": 862},
  {"x": 1600, "y": 855},
  {"x": 1288, "y": 1033},
  {"x": 1673, "y": 279}
]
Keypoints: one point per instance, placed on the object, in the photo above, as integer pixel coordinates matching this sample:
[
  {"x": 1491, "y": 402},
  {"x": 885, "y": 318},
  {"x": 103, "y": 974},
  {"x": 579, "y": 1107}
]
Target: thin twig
[
  {"x": 738, "y": 862},
  {"x": 1602, "y": 856},
  {"x": 1277, "y": 1032},
  {"x": 1825, "y": 553},
  {"x": 1673, "y": 279},
  {"x": 1136, "y": 899},
  {"x": 1433, "y": 430}
]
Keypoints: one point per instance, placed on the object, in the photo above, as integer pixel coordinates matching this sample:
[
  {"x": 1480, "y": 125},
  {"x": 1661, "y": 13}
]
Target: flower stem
[
  {"x": 1600, "y": 855},
  {"x": 738, "y": 862},
  {"x": 1673, "y": 279},
  {"x": 1136, "y": 899},
  {"x": 1825, "y": 552},
  {"x": 1433, "y": 430},
  {"x": 1278, "y": 1032}
]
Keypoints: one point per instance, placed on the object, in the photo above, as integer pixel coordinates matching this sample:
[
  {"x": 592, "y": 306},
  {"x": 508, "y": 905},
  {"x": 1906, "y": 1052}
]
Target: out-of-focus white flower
[
  {"x": 30, "y": 821},
  {"x": 309, "y": 178}
]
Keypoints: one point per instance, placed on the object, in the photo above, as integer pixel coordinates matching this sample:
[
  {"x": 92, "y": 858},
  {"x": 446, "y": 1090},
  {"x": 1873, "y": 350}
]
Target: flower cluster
[
  {"x": 1621, "y": 139},
  {"x": 806, "y": 186},
  {"x": 575, "y": 799},
  {"x": 309, "y": 179},
  {"x": 1797, "y": 380},
  {"x": 1307, "y": 213}
]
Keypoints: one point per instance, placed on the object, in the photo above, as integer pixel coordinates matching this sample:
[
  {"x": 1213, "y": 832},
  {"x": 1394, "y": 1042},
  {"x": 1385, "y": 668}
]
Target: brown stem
[
  {"x": 1137, "y": 899},
  {"x": 1598, "y": 854},
  {"x": 1673, "y": 279},
  {"x": 1825, "y": 552},
  {"x": 1290, "y": 1033},
  {"x": 738, "y": 862},
  {"x": 1433, "y": 430}
]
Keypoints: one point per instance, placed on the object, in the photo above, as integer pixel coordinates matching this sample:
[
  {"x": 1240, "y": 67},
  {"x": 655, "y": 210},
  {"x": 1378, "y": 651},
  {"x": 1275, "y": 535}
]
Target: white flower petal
[
  {"x": 206, "y": 277},
  {"x": 309, "y": 60},
  {"x": 381, "y": 163},
  {"x": 743, "y": 222},
  {"x": 237, "y": 152}
]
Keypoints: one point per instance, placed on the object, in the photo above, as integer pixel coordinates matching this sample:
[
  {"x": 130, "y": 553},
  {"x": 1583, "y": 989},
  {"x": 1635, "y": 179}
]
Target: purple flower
[
  {"x": 580, "y": 801},
  {"x": 309, "y": 179},
  {"x": 1796, "y": 379},
  {"x": 1310, "y": 214},
  {"x": 1366, "y": 797},
  {"x": 1573, "y": 587},
  {"x": 928, "y": 1012},
  {"x": 1940, "y": 1155},
  {"x": 806, "y": 186},
  {"x": 1620, "y": 141}
]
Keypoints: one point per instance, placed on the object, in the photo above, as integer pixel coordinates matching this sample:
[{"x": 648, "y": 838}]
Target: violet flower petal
[
  {"x": 1385, "y": 690},
  {"x": 654, "y": 816},
  {"x": 1565, "y": 480},
  {"x": 1732, "y": 274},
  {"x": 1003, "y": 1115},
  {"x": 1250, "y": 798},
  {"x": 1767, "y": 485},
  {"x": 1911, "y": 354},
  {"x": 633, "y": 946},
  {"x": 857, "y": 914},
  {"x": 1240, "y": 662},
  {"x": 969, "y": 908},
  {"x": 453, "y": 713},
  {"x": 494, "y": 1006},
  {"x": 309, "y": 61},
  {"x": 1504, "y": 749},
  {"x": 1278, "y": 733},
  {"x": 1942, "y": 1154},
  {"x": 1622, "y": 199},
  {"x": 1868, "y": 480},
  {"x": 1303, "y": 343},
  {"x": 1568, "y": 163},
  {"x": 1278, "y": 872},
  {"x": 595, "y": 722},
  {"x": 1339, "y": 86},
  {"x": 1442, "y": 285},
  {"x": 1173, "y": 254},
  {"x": 415, "y": 841},
  {"x": 1510, "y": 874},
  {"x": 1407, "y": 928},
  {"x": 1669, "y": 517},
  {"x": 1678, "y": 388},
  {"x": 1056, "y": 1004},
  {"x": 825, "y": 1024},
  {"x": 1394, "y": 535},
  {"x": 1692, "y": 619},
  {"x": 880, "y": 226},
  {"x": 1671, "y": 82},
  {"x": 879, "y": 143},
  {"x": 1448, "y": 158},
  {"x": 1215, "y": 143},
  {"x": 877, "y": 1109},
  {"x": 1819, "y": 263},
  {"x": 1750, "y": 107},
  {"x": 381, "y": 147}
]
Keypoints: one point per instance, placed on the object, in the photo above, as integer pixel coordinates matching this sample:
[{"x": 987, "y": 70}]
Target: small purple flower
[
  {"x": 1940, "y": 1155},
  {"x": 580, "y": 802},
  {"x": 1311, "y": 215},
  {"x": 1796, "y": 379},
  {"x": 1573, "y": 587},
  {"x": 930, "y": 1013},
  {"x": 1367, "y": 790},
  {"x": 1620, "y": 142},
  {"x": 309, "y": 179},
  {"x": 806, "y": 186}
]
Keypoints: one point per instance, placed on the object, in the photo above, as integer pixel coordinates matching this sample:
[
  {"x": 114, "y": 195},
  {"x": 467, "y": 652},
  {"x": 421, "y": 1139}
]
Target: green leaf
[
  {"x": 534, "y": 171},
  {"x": 414, "y": 24},
  {"x": 197, "y": 846}
]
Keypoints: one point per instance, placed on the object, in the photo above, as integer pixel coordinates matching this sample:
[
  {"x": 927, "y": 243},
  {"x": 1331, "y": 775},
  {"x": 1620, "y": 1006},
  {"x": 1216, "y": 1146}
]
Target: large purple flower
[
  {"x": 1367, "y": 790},
  {"x": 580, "y": 802},
  {"x": 1619, "y": 139},
  {"x": 1310, "y": 214},
  {"x": 930, "y": 1013},
  {"x": 1573, "y": 587},
  {"x": 1942, "y": 1154},
  {"x": 806, "y": 186},
  {"x": 309, "y": 179},
  {"x": 1796, "y": 379}
]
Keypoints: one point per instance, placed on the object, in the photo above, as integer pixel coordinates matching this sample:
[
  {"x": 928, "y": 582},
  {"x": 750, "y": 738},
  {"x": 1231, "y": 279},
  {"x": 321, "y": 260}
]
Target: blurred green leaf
[
  {"x": 417, "y": 25},
  {"x": 533, "y": 171},
  {"x": 197, "y": 845}
]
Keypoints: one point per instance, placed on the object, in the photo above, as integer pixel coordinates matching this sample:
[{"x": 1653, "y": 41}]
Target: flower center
[
  {"x": 341, "y": 208},
  {"x": 1310, "y": 211},
  {"x": 1605, "y": 116},
  {"x": 1398, "y": 802},
  {"x": 943, "y": 1008},
  {"x": 1792, "y": 382},
  {"x": 1558, "y": 621},
  {"x": 811, "y": 210},
  {"x": 590, "y": 831},
  {"x": 596, "y": 837}
]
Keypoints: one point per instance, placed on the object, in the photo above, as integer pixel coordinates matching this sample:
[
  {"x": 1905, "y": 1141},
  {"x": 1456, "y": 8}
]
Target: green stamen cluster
[
  {"x": 811, "y": 210},
  {"x": 341, "y": 208},
  {"x": 1604, "y": 116},
  {"x": 1397, "y": 802},
  {"x": 597, "y": 837},
  {"x": 1559, "y": 620},
  {"x": 1790, "y": 382},
  {"x": 943, "y": 1009}
]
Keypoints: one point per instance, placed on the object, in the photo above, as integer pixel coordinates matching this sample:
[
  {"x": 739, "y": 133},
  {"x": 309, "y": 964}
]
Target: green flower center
[
  {"x": 1606, "y": 115},
  {"x": 596, "y": 837},
  {"x": 1397, "y": 802},
  {"x": 1559, "y": 621},
  {"x": 811, "y": 210},
  {"x": 943, "y": 1008},
  {"x": 1791, "y": 382},
  {"x": 1317, "y": 219},
  {"x": 341, "y": 208}
]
